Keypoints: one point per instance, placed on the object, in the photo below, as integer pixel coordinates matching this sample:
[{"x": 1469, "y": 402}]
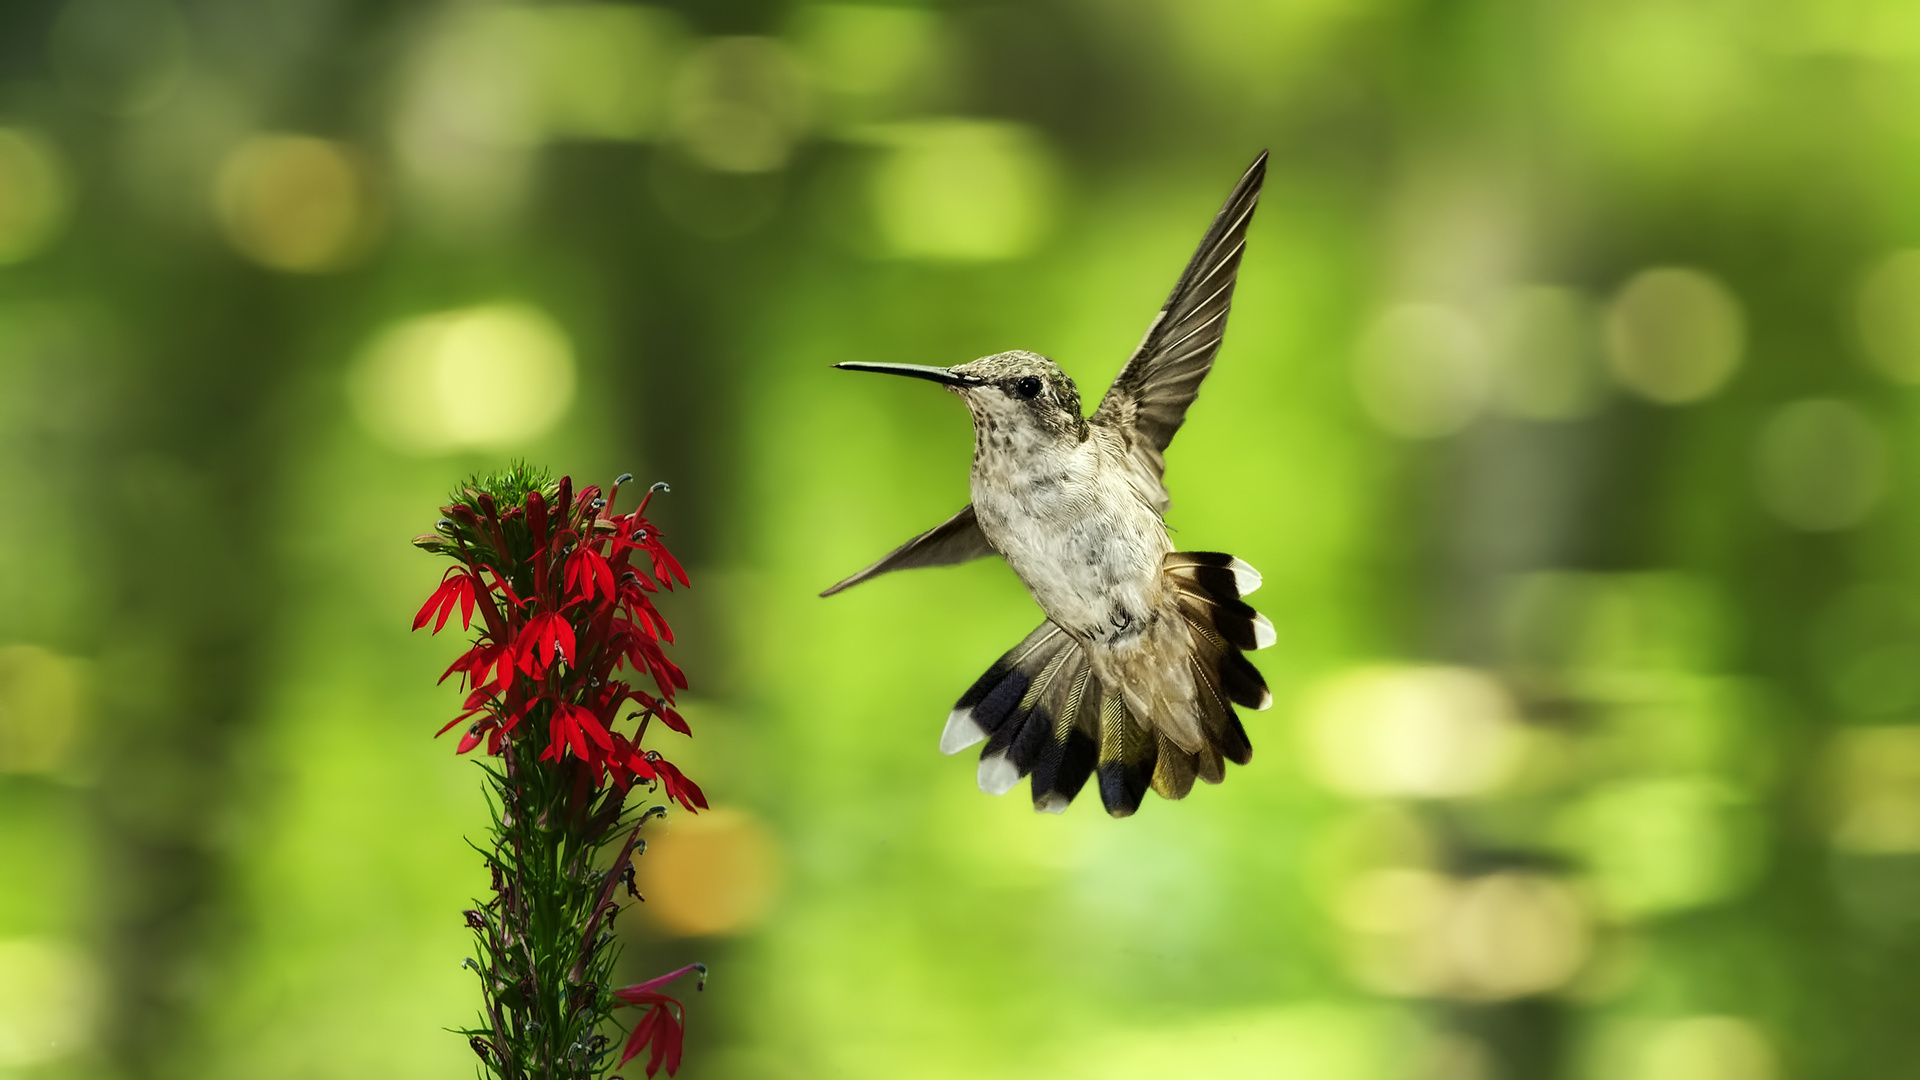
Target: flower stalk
[{"x": 561, "y": 587}]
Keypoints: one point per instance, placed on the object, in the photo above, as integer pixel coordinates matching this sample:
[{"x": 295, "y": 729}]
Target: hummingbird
[{"x": 1135, "y": 673}]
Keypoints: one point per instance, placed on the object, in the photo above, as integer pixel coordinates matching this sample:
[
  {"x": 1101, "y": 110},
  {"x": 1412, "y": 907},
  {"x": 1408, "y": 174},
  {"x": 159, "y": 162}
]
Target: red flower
[
  {"x": 455, "y": 587},
  {"x": 553, "y": 579},
  {"x": 664, "y": 1025},
  {"x": 588, "y": 574},
  {"x": 572, "y": 727},
  {"x": 547, "y": 638},
  {"x": 676, "y": 783}
]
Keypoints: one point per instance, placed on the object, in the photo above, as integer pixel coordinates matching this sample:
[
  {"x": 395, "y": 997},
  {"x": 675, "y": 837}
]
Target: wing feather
[
  {"x": 1149, "y": 399},
  {"x": 955, "y": 540}
]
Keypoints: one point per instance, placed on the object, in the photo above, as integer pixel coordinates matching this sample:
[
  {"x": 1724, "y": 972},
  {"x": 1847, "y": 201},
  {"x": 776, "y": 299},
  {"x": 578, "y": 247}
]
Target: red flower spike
[{"x": 590, "y": 607}]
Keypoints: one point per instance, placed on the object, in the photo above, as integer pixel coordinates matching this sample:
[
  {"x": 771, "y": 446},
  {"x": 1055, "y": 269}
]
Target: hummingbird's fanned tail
[{"x": 1043, "y": 712}]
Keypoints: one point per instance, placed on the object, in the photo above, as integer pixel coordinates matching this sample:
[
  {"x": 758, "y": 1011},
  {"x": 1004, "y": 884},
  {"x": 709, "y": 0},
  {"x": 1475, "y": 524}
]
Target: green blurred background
[{"x": 1569, "y": 408}]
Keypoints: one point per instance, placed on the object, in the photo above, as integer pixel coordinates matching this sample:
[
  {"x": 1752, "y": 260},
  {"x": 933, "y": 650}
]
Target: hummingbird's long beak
[{"x": 944, "y": 376}]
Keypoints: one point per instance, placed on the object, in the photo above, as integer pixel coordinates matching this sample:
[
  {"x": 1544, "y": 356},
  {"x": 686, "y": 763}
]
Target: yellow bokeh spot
[
  {"x": 487, "y": 377},
  {"x": 1707, "y": 1048},
  {"x": 964, "y": 190},
  {"x": 33, "y": 195},
  {"x": 1423, "y": 371},
  {"x": 1499, "y": 936},
  {"x": 1674, "y": 335},
  {"x": 48, "y": 999},
  {"x": 1888, "y": 315},
  {"x": 295, "y": 203},
  {"x": 1876, "y": 790},
  {"x": 41, "y": 709},
  {"x": 1420, "y": 732},
  {"x": 711, "y": 873}
]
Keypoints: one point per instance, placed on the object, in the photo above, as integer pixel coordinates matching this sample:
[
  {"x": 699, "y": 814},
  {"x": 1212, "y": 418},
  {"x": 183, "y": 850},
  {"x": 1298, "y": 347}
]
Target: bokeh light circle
[
  {"x": 489, "y": 377},
  {"x": 964, "y": 190},
  {"x": 1887, "y": 312},
  {"x": 1416, "y": 731},
  {"x": 49, "y": 998},
  {"x": 33, "y": 195},
  {"x": 710, "y": 874},
  {"x": 295, "y": 203},
  {"x": 1820, "y": 465},
  {"x": 1423, "y": 371},
  {"x": 1675, "y": 335}
]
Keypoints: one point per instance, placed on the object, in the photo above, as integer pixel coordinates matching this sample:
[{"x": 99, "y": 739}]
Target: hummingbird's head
[
  {"x": 1008, "y": 393},
  {"x": 1020, "y": 391}
]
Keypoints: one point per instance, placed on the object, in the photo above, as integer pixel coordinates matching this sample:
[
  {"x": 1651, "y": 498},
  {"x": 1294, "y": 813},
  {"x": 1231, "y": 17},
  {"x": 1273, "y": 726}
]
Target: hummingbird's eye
[{"x": 1028, "y": 388}]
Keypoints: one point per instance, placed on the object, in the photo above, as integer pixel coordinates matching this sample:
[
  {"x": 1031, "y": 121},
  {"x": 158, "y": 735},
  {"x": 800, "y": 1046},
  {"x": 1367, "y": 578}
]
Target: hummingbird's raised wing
[
  {"x": 955, "y": 540},
  {"x": 1149, "y": 398}
]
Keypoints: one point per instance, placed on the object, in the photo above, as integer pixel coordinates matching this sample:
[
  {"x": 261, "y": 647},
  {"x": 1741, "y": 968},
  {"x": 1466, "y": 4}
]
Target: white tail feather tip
[
  {"x": 997, "y": 774},
  {"x": 1245, "y": 577},
  {"x": 1051, "y": 803},
  {"x": 1263, "y": 634},
  {"x": 961, "y": 732}
]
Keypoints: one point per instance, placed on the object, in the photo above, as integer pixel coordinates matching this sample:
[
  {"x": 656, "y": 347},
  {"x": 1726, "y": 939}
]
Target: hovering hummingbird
[{"x": 1135, "y": 672}]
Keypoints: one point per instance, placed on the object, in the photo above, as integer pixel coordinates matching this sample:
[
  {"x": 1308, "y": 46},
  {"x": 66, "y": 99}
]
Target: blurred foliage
[{"x": 1568, "y": 409}]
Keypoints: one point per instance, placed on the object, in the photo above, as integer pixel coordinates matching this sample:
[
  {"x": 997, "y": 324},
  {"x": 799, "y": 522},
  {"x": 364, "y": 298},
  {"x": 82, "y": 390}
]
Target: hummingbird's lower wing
[{"x": 955, "y": 540}]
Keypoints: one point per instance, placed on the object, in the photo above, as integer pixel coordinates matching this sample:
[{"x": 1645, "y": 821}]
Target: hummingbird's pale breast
[{"x": 1065, "y": 519}]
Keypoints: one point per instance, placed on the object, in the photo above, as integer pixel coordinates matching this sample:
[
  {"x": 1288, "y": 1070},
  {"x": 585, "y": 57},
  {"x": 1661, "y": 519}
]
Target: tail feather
[
  {"x": 1173, "y": 774},
  {"x": 1067, "y": 760},
  {"x": 1128, "y": 754},
  {"x": 1230, "y": 617},
  {"x": 1043, "y": 713},
  {"x": 1208, "y": 587},
  {"x": 1224, "y": 732},
  {"x": 987, "y": 704},
  {"x": 1208, "y": 568}
]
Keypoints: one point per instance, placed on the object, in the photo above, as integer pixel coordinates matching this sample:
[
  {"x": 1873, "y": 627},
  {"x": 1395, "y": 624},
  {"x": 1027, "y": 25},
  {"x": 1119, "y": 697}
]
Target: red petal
[
  {"x": 637, "y": 1041},
  {"x": 646, "y": 990},
  {"x": 451, "y": 724},
  {"x": 592, "y": 726},
  {"x": 577, "y": 739},
  {"x": 602, "y": 573},
  {"x": 426, "y": 610}
]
